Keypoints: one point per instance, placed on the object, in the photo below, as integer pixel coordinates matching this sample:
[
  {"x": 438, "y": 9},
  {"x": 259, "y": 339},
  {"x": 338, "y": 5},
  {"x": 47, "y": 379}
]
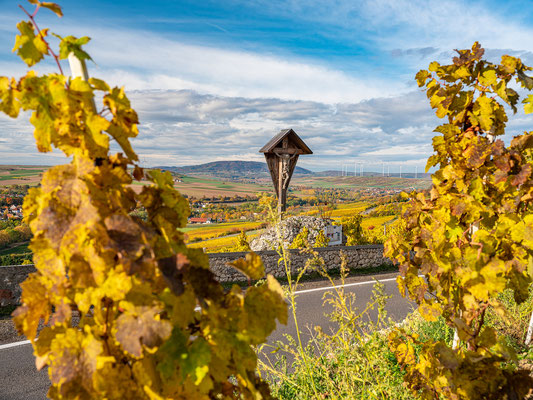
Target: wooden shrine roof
[{"x": 269, "y": 147}]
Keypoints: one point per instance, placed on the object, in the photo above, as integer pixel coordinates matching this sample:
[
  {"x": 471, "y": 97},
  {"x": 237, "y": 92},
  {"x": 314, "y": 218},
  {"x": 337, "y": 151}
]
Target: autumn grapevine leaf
[
  {"x": 472, "y": 236},
  {"x": 135, "y": 284}
]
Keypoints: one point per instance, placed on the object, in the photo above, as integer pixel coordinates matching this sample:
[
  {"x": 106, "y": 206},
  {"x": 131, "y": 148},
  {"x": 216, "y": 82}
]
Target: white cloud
[
  {"x": 447, "y": 23},
  {"x": 408, "y": 150},
  {"x": 185, "y": 128},
  {"x": 418, "y": 25},
  {"x": 222, "y": 128},
  {"x": 202, "y": 103},
  {"x": 230, "y": 73},
  {"x": 145, "y": 61}
]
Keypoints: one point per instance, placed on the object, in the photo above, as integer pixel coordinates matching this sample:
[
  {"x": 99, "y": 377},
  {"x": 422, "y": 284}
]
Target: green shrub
[
  {"x": 514, "y": 325},
  {"x": 16, "y": 259},
  {"x": 242, "y": 243},
  {"x": 353, "y": 362}
]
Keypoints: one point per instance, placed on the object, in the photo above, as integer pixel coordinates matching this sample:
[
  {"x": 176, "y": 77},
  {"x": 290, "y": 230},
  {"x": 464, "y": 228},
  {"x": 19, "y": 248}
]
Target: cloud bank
[
  {"x": 185, "y": 127},
  {"x": 216, "y": 96}
]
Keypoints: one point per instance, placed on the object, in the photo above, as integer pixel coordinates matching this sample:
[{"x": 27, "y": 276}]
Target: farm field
[
  {"x": 20, "y": 249},
  {"x": 224, "y": 243},
  {"x": 354, "y": 205},
  {"x": 217, "y": 237},
  {"x": 362, "y": 182},
  {"x": 349, "y": 209},
  {"x": 220, "y": 244},
  {"x": 198, "y": 187},
  {"x": 376, "y": 221},
  {"x": 20, "y": 174},
  {"x": 191, "y": 186},
  {"x": 15, "y": 255},
  {"x": 208, "y": 231}
]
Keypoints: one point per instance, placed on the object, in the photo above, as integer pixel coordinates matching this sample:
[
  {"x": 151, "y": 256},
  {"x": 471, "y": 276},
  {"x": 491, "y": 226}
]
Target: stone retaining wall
[
  {"x": 357, "y": 257},
  {"x": 10, "y": 279}
]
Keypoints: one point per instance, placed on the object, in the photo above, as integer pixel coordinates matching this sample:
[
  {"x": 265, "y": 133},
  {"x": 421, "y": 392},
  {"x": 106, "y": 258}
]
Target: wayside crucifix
[{"x": 281, "y": 154}]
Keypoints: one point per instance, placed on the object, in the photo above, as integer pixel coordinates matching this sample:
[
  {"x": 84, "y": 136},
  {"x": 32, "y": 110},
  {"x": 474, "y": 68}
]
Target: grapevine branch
[
  {"x": 36, "y": 9},
  {"x": 32, "y": 19},
  {"x": 108, "y": 305}
]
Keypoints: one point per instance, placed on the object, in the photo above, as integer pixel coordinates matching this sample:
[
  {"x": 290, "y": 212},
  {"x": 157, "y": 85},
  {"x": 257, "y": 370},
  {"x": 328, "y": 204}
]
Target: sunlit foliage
[
  {"x": 472, "y": 236},
  {"x": 154, "y": 323}
]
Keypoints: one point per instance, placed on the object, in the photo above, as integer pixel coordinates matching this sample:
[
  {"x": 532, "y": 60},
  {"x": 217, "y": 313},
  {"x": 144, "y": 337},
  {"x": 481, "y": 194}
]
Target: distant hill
[{"x": 231, "y": 170}]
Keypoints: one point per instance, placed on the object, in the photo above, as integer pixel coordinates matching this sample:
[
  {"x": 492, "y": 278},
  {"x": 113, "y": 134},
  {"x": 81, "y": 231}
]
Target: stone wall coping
[{"x": 274, "y": 252}]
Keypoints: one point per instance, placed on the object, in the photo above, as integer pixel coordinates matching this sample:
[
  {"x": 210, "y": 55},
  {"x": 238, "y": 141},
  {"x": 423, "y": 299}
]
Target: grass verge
[{"x": 314, "y": 276}]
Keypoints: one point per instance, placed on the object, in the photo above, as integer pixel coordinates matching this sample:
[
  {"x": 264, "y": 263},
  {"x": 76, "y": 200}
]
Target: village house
[
  {"x": 11, "y": 212},
  {"x": 196, "y": 220}
]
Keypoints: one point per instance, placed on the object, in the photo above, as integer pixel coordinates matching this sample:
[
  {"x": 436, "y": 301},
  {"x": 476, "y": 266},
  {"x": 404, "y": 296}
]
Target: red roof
[{"x": 201, "y": 220}]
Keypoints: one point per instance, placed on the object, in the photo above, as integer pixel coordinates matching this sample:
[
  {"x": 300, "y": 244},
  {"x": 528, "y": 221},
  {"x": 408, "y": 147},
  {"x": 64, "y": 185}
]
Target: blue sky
[{"x": 214, "y": 80}]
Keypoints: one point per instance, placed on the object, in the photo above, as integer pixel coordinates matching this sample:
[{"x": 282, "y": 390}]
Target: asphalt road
[{"x": 19, "y": 380}]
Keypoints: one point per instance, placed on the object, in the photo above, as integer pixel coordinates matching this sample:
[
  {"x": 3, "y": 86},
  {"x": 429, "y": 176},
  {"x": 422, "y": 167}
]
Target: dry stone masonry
[
  {"x": 10, "y": 279},
  {"x": 365, "y": 256},
  {"x": 289, "y": 229}
]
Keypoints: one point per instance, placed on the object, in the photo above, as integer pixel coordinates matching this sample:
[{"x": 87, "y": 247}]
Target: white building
[{"x": 334, "y": 234}]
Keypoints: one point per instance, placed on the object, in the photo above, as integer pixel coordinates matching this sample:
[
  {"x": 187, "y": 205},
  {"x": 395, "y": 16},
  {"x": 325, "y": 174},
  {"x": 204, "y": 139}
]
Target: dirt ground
[{"x": 21, "y": 174}]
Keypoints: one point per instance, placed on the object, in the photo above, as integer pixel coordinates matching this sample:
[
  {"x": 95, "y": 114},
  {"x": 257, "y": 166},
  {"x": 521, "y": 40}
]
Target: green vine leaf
[{"x": 71, "y": 44}]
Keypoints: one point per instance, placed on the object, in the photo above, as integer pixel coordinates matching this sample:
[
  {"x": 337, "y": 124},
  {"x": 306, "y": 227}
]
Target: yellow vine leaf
[
  {"x": 31, "y": 48},
  {"x": 471, "y": 236},
  {"x": 52, "y": 7},
  {"x": 133, "y": 284},
  {"x": 252, "y": 266},
  {"x": 140, "y": 326},
  {"x": 9, "y": 104},
  {"x": 262, "y": 305}
]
